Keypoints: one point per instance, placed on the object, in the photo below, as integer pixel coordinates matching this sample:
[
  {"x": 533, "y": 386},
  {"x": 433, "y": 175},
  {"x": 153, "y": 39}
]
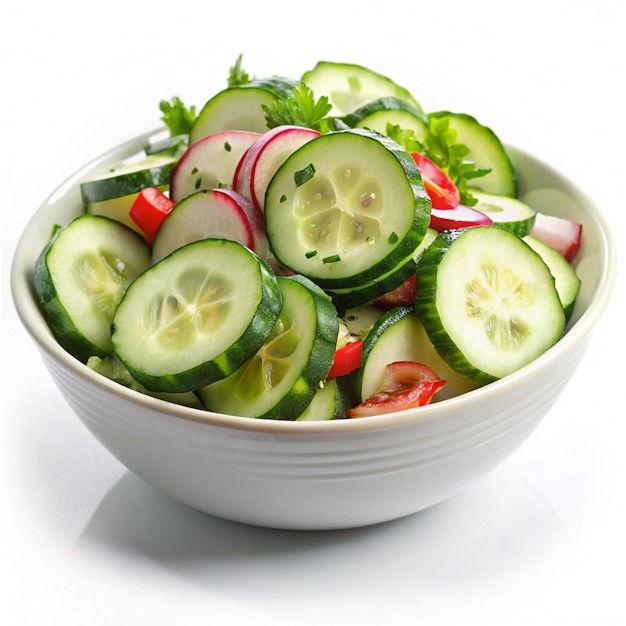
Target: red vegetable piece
[
  {"x": 347, "y": 359},
  {"x": 407, "y": 384},
  {"x": 561, "y": 234},
  {"x": 400, "y": 296},
  {"x": 150, "y": 208},
  {"x": 461, "y": 216},
  {"x": 443, "y": 193}
]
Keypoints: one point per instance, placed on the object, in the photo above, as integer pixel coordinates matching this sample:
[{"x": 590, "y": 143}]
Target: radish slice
[
  {"x": 210, "y": 163},
  {"x": 460, "y": 216},
  {"x": 559, "y": 233},
  {"x": 264, "y": 157},
  {"x": 215, "y": 213}
]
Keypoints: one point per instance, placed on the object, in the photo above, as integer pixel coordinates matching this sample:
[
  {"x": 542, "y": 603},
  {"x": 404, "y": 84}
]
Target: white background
[{"x": 539, "y": 540}]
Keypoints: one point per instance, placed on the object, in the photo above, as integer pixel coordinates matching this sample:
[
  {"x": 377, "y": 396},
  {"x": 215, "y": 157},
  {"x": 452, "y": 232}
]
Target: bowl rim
[{"x": 28, "y": 311}]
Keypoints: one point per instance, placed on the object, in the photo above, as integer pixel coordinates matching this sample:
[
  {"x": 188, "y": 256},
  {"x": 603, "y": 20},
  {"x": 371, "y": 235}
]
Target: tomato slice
[
  {"x": 407, "y": 384},
  {"x": 347, "y": 359},
  {"x": 150, "y": 208},
  {"x": 443, "y": 193},
  {"x": 460, "y": 216}
]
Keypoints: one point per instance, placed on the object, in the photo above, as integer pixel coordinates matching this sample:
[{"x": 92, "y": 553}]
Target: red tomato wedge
[
  {"x": 442, "y": 191},
  {"x": 559, "y": 233},
  {"x": 460, "y": 216},
  {"x": 149, "y": 210},
  {"x": 407, "y": 384},
  {"x": 347, "y": 359}
]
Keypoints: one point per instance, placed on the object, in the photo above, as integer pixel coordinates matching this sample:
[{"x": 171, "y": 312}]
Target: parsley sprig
[
  {"x": 440, "y": 145},
  {"x": 176, "y": 116},
  {"x": 299, "y": 108},
  {"x": 236, "y": 75}
]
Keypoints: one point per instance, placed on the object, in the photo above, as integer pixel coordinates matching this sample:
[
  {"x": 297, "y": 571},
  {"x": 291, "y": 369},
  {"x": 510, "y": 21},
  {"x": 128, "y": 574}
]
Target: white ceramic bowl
[{"x": 323, "y": 475}]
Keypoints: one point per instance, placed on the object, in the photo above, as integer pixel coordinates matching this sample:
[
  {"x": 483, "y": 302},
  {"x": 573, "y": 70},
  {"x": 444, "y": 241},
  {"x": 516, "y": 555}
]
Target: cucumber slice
[
  {"x": 154, "y": 170},
  {"x": 389, "y": 110},
  {"x": 281, "y": 379},
  {"x": 399, "y": 335},
  {"x": 349, "y": 86},
  {"x": 331, "y": 402},
  {"x": 506, "y": 212},
  {"x": 358, "y": 295},
  {"x": 240, "y": 108},
  {"x": 80, "y": 277},
  {"x": 118, "y": 209},
  {"x": 346, "y": 208},
  {"x": 566, "y": 280},
  {"x": 111, "y": 367},
  {"x": 485, "y": 150},
  {"x": 195, "y": 316},
  {"x": 487, "y": 301}
]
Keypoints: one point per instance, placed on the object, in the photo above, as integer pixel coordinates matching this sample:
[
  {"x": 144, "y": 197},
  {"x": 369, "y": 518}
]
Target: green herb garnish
[
  {"x": 299, "y": 108},
  {"x": 302, "y": 176},
  {"x": 440, "y": 146},
  {"x": 236, "y": 75},
  {"x": 176, "y": 116}
]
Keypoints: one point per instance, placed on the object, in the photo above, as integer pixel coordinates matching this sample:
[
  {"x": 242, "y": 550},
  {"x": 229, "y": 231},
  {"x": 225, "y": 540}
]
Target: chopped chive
[
  {"x": 283, "y": 198},
  {"x": 302, "y": 176},
  {"x": 227, "y": 147},
  {"x": 194, "y": 170},
  {"x": 310, "y": 254},
  {"x": 198, "y": 182},
  {"x": 335, "y": 258},
  {"x": 393, "y": 238}
]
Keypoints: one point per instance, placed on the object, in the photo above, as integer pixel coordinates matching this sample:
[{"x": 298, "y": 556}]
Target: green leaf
[
  {"x": 176, "y": 116},
  {"x": 237, "y": 76},
  {"x": 440, "y": 146},
  {"x": 299, "y": 108}
]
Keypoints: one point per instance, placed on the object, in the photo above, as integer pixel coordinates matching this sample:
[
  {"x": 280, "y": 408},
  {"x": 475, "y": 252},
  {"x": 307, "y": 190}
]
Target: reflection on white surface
[{"x": 500, "y": 525}]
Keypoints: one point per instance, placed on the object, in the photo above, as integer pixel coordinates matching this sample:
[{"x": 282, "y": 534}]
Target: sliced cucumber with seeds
[
  {"x": 240, "y": 108},
  {"x": 566, "y": 280},
  {"x": 358, "y": 295},
  {"x": 506, "y": 212},
  {"x": 346, "y": 208},
  {"x": 154, "y": 170},
  {"x": 80, "y": 277},
  {"x": 195, "y": 316},
  {"x": 349, "y": 86},
  {"x": 281, "y": 379},
  {"x": 488, "y": 302},
  {"x": 378, "y": 113},
  {"x": 485, "y": 150}
]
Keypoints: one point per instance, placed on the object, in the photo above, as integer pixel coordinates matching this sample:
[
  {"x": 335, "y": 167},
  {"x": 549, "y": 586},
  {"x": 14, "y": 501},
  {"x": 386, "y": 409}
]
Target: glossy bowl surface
[{"x": 323, "y": 475}]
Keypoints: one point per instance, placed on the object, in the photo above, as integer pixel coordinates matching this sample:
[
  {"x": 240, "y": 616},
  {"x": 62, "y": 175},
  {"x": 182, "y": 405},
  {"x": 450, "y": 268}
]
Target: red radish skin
[
  {"x": 262, "y": 159},
  {"x": 210, "y": 163},
  {"x": 561, "y": 234},
  {"x": 460, "y": 216},
  {"x": 215, "y": 213}
]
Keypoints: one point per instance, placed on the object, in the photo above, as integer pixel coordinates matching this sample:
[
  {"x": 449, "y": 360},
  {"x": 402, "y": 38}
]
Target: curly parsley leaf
[
  {"x": 299, "y": 108},
  {"x": 237, "y": 76},
  {"x": 440, "y": 146},
  {"x": 176, "y": 116}
]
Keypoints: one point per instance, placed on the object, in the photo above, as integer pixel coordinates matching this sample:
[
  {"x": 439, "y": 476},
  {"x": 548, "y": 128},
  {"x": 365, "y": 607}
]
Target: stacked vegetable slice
[{"x": 281, "y": 217}]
